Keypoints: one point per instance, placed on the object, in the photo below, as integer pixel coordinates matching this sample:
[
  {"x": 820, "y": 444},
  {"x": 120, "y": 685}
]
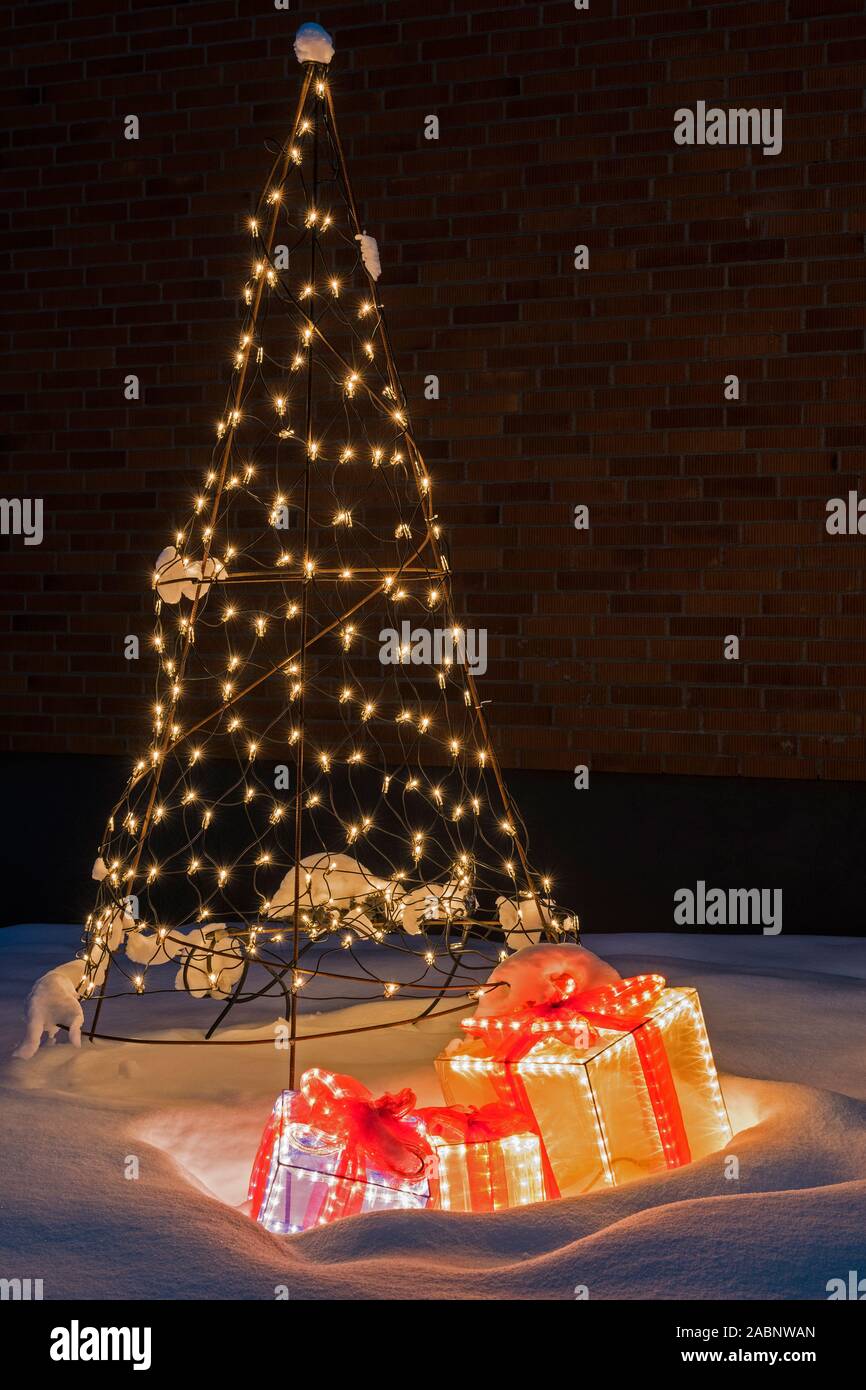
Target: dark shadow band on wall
[{"x": 618, "y": 852}]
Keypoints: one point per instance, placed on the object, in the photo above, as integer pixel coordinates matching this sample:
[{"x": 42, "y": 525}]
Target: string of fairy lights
[{"x": 314, "y": 531}]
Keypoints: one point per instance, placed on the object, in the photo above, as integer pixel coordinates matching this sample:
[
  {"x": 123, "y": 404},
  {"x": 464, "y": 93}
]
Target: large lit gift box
[
  {"x": 618, "y": 1080},
  {"x": 486, "y": 1159},
  {"x": 329, "y": 1150}
]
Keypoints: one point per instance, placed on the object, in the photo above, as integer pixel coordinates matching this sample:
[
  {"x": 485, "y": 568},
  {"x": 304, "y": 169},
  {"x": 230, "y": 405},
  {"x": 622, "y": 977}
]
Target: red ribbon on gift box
[
  {"x": 262, "y": 1162},
  {"x": 574, "y": 1016},
  {"x": 367, "y": 1134},
  {"x": 470, "y": 1125}
]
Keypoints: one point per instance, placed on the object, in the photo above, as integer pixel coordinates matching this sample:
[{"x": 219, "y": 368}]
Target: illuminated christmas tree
[{"x": 319, "y": 800}]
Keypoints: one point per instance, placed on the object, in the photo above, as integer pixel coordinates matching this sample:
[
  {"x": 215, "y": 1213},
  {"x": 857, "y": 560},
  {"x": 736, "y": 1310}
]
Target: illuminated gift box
[
  {"x": 329, "y": 1150},
  {"x": 486, "y": 1159},
  {"x": 619, "y": 1081}
]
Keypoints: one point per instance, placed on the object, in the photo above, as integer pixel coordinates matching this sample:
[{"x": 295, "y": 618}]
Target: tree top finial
[{"x": 313, "y": 44}]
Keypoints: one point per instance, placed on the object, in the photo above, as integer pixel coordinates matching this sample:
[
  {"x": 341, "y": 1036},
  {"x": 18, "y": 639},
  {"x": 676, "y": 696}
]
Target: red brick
[{"x": 557, "y": 387}]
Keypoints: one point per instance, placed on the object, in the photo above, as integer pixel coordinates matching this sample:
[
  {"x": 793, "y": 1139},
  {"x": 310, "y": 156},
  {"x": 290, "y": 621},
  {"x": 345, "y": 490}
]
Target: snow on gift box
[
  {"x": 616, "y": 1076},
  {"x": 329, "y": 1150}
]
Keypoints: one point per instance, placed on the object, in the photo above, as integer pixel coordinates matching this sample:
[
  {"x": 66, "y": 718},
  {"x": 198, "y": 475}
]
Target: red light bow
[
  {"x": 621, "y": 1006},
  {"x": 367, "y": 1131},
  {"x": 469, "y": 1124}
]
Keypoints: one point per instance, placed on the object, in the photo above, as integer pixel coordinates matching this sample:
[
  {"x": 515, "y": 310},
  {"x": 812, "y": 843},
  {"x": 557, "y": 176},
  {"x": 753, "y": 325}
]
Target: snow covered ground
[{"x": 787, "y": 1019}]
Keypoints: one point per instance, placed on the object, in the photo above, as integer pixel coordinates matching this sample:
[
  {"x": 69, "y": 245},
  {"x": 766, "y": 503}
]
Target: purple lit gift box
[{"x": 329, "y": 1150}]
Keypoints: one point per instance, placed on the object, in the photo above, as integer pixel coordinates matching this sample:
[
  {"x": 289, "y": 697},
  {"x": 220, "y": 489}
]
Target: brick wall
[{"x": 558, "y": 387}]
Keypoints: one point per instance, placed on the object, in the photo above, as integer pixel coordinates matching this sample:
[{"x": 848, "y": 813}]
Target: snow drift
[{"x": 785, "y": 1017}]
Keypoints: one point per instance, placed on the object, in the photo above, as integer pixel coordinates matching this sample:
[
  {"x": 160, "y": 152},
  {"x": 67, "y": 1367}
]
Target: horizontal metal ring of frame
[
  {"x": 269, "y": 1042},
  {"x": 435, "y": 923},
  {"x": 287, "y": 576},
  {"x": 214, "y": 951}
]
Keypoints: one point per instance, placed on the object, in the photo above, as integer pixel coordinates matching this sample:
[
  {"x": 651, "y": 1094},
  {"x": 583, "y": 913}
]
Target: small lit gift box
[
  {"x": 329, "y": 1150},
  {"x": 486, "y": 1159},
  {"x": 618, "y": 1080}
]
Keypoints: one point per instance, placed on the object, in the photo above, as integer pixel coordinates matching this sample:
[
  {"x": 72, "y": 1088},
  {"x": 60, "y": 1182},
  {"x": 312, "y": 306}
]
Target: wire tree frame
[{"x": 270, "y": 666}]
